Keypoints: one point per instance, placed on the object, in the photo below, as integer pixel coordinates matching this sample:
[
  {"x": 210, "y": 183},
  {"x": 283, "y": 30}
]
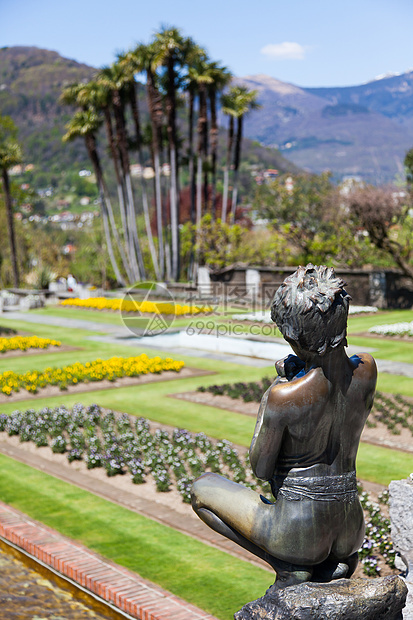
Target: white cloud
[{"x": 284, "y": 51}]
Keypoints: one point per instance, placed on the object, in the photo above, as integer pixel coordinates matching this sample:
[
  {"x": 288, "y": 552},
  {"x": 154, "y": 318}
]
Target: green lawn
[
  {"x": 361, "y": 323},
  {"x": 188, "y": 568},
  {"x": 98, "y": 316}
]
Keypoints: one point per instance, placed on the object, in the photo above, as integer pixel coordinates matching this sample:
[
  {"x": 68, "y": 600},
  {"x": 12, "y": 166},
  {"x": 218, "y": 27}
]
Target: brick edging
[{"x": 116, "y": 585}]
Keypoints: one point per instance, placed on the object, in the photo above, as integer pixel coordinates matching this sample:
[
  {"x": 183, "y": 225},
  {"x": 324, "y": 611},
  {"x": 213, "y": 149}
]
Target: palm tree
[
  {"x": 221, "y": 77},
  {"x": 10, "y": 155},
  {"x": 169, "y": 47},
  {"x": 114, "y": 79},
  {"x": 200, "y": 74},
  {"x": 143, "y": 57},
  {"x": 245, "y": 101},
  {"x": 228, "y": 108},
  {"x": 94, "y": 96},
  {"x": 131, "y": 64},
  {"x": 86, "y": 124}
]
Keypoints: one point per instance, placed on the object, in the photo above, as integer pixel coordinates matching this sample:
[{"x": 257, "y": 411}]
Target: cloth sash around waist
[{"x": 342, "y": 488}]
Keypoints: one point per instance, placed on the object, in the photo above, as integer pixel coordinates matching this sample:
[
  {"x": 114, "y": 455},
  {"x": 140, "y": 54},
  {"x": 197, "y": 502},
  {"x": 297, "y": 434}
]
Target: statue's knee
[{"x": 201, "y": 489}]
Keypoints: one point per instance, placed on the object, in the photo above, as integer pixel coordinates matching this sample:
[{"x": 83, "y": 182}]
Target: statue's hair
[{"x": 311, "y": 308}]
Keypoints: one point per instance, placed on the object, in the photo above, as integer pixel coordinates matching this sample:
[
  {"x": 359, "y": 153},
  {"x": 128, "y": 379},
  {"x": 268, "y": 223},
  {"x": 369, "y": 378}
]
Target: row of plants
[
  {"x": 130, "y": 305},
  {"x": 22, "y": 343},
  {"x": 124, "y": 445},
  {"x": 7, "y": 331},
  {"x": 394, "y": 329},
  {"x": 377, "y": 545},
  {"x": 97, "y": 370},
  {"x": 248, "y": 392},
  {"x": 392, "y": 410}
]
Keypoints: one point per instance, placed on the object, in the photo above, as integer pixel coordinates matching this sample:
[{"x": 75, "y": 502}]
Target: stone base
[{"x": 344, "y": 599}]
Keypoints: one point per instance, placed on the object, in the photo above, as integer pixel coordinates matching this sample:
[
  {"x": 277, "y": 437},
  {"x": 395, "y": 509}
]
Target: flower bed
[
  {"x": 22, "y": 343},
  {"x": 394, "y": 411},
  {"x": 122, "y": 445},
  {"x": 125, "y": 305},
  {"x": 97, "y": 370},
  {"x": 394, "y": 329}
]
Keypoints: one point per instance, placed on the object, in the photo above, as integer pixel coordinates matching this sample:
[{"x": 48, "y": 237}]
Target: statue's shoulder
[
  {"x": 304, "y": 389},
  {"x": 364, "y": 365}
]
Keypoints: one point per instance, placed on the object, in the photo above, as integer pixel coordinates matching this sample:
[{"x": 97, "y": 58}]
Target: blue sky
[{"x": 308, "y": 43}]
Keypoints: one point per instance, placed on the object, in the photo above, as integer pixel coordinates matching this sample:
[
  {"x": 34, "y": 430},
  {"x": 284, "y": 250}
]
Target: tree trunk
[
  {"x": 173, "y": 150},
  {"x": 202, "y": 149},
  {"x": 192, "y": 180},
  {"x": 135, "y": 113},
  {"x": 115, "y": 233},
  {"x": 214, "y": 149},
  {"x": 10, "y": 227},
  {"x": 119, "y": 184},
  {"x": 94, "y": 157},
  {"x": 135, "y": 249},
  {"x": 237, "y": 158},
  {"x": 155, "y": 110},
  {"x": 124, "y": 251},
  {"x": 227, "y": 165}
]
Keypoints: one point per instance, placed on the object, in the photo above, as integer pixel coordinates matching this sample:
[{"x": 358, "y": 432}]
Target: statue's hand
[{"x": 289, "y": 367}]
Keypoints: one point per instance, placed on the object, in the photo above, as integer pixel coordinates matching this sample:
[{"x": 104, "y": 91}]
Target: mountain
[
  {"x": 31, "y": 81},
  {"x": 361, "y": 131}
]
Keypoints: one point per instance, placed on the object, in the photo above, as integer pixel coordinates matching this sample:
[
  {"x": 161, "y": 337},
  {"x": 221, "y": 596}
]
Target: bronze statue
[{"x": 305, "y": 443}]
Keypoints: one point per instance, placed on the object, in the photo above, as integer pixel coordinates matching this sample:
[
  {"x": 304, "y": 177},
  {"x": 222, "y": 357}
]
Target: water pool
[{"x": 26, "y": 594}]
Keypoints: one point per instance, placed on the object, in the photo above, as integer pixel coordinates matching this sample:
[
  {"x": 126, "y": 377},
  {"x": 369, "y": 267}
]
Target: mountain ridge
[{"x": 363, "y": 130}]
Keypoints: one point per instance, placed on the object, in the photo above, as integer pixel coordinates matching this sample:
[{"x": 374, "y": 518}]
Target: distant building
[
  {"x": 270, "y": 174},
  {"x": 84, "y": 201},
  {"x": 148, "y": 173},
  {"x": 136, "y": 170},
  {"x": 68, "y": 249},
  {"x": 14, "y": 170}
]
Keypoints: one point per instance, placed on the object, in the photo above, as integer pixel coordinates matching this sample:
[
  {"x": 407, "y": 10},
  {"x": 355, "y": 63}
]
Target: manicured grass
[
  {"x": 382, "y": 465},
  {"x": 361, "y": 323},
  {"x": 395, "y": 384},
  {"x": 109, "y": 317},
  {"x": 213, "y": 580},
  {"x": 395, "y": 350}
]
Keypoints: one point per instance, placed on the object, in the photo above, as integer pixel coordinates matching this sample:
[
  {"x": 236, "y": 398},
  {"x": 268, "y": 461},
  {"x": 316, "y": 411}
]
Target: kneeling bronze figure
[{"x": 305, "y": 443}]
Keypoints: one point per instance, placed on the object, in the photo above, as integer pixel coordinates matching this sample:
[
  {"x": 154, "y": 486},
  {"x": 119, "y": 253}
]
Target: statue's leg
[
  {"x": 335, "y": 569},
  {"x": 236, "y": 512}
]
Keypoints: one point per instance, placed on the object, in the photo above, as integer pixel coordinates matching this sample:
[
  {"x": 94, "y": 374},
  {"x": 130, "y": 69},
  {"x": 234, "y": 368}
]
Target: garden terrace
[{"x": 170, "y": 460}]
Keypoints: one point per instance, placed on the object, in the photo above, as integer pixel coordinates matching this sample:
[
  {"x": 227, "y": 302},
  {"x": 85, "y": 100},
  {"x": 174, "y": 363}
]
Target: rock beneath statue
[
  {"x": 344, "y": 599},
  {"x": 401, "y": 514}
]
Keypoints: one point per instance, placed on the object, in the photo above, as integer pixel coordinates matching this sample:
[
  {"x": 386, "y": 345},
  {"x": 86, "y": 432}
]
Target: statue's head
[{"x": 311, "y": 307}]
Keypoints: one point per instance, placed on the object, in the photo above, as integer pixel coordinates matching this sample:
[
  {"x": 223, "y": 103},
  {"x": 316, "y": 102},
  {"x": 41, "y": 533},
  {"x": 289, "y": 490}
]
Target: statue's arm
[{"x": 266, "y": 441}]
